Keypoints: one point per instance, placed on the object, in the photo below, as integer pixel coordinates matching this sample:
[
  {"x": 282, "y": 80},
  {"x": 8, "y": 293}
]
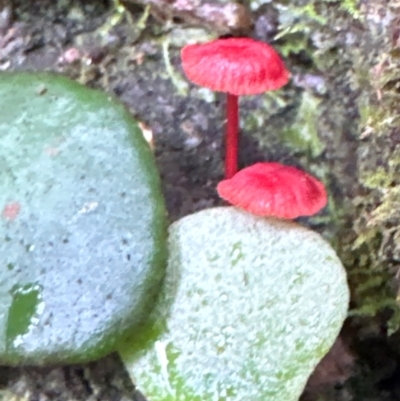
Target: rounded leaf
[
  {"x": 254, "y": 304},
  {"x": 82, "y": 221}
]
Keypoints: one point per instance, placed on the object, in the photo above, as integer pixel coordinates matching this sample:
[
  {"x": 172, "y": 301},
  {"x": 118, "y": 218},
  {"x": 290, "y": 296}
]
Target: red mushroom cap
[
  {"x": 272, "y": 189},
  {"x": 240, "y": 66}
]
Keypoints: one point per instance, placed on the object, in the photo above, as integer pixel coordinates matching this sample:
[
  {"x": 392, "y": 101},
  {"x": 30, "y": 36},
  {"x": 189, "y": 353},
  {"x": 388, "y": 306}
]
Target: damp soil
[{"x": 125, "y": 54}]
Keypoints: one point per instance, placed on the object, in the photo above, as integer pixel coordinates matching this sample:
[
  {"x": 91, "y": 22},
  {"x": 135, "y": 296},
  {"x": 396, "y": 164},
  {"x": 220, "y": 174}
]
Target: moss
[
  {"x": 303, "y": 133},
  {"x": 356, "y": 127},
  {"x": 351, "y": 6},
  {"x": 377, "y": 224},
  {"x": 115, "y": 18},
  {"x": 180, "y": 83},
  {"x": 377, "y": 179}
]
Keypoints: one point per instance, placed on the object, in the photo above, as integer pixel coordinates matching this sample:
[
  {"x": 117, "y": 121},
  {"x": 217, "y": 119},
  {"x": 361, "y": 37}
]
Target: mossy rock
[{"x": 82, "y": 224}]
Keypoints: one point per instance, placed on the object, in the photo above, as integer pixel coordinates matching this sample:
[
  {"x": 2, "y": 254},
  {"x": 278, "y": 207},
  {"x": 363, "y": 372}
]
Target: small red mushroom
[
  {"x": 273, "y": 189},
  {"x": 237, "y": 66}
]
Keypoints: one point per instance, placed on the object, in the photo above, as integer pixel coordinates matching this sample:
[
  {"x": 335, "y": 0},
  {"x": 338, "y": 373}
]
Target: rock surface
[{"x": 221, "y": 16}]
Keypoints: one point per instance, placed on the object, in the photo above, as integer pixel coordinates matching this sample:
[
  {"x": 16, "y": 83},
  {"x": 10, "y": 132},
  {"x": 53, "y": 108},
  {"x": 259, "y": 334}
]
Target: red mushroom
[
  {"x": 237, "y": 66},
  {"x": 272, "y": 189}
]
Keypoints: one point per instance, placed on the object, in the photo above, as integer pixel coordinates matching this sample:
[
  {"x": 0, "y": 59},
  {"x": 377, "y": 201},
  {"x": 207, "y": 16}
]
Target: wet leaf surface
[
  {"x": 249, "y": 307},
  {"x": 83, "y": 254}
]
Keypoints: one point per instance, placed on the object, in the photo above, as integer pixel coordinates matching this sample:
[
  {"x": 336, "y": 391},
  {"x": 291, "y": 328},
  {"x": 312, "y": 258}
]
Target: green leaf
[
  {"x": 82, "y": 221},
  {"x": 249, "y": 307}
]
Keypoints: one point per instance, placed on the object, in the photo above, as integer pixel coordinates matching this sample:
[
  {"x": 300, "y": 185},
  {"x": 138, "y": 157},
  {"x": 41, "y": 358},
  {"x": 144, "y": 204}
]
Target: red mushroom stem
[
  {"x": 232, "y": 136},
  {"x": 237, "y": 66}
]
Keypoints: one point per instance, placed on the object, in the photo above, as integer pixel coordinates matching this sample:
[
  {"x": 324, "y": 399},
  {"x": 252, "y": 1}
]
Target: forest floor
[{"x": 136, "y": 58}]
